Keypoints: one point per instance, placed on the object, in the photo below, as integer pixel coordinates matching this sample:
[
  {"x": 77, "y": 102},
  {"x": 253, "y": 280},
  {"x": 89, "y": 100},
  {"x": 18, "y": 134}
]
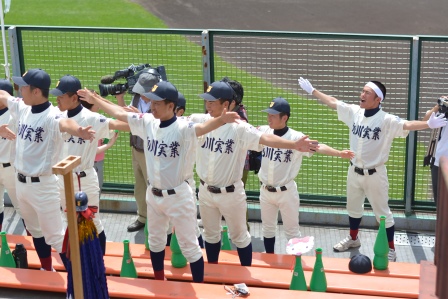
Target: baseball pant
[
  {"x": 140, "y": 186},
  {"x": 375, "y": 187},
  {"x": 89, "y": 184},
  {"x": 40, "y": 206},
  {"x": 287, "y": 202},
  {"x": 8, "y": 180},
  {"x": 232, "y": 206},
  {"x": 180, "y": 210}
]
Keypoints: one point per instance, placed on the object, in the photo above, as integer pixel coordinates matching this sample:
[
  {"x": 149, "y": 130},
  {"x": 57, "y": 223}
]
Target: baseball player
[
  {"x": 7, "y": 152},
  {"x": 372, "y": 131},
  {"x": 180, "y": 110},
  {"x": 40, "y": 134},
  {"x": 219, "y": 165},
  {"x": 69, "y": 102},
  {"x": 279, "y": 167},
  {"x": 169, "y": 145}
]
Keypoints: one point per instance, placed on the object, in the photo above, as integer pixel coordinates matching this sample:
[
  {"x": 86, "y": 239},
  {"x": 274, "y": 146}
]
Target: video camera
[
  {"x": 131, "y": 74},
  {"x": 443, "y": 106}
]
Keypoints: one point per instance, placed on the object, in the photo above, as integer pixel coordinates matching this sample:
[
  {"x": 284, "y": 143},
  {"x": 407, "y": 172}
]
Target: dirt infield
[{"x": 410, "y": 17}]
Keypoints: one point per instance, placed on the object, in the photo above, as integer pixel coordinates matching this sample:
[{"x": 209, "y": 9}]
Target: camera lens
[{"x": 107, "y": 89}]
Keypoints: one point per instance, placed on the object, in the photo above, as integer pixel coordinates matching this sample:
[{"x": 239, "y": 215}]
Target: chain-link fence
[{"x": 268, "y": 65}]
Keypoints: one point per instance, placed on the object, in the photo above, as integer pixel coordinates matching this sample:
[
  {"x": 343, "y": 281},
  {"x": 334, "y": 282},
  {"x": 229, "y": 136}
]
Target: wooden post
[{"x": 65, "y": 168}]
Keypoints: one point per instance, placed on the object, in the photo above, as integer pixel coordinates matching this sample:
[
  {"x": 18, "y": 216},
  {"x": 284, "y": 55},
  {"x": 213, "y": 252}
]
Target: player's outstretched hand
[
  {"x": 229, "y": 117},
  {"x": 346, "y": 154},
  {"x": 87, "y": 133},
  {"x": 435, "y": 122},
  {"x": 306, "y": 85},
  {"x": 5, "y": 132},
  {"x": 86, "y": 95},
  {"x": 305, "y": 145}
]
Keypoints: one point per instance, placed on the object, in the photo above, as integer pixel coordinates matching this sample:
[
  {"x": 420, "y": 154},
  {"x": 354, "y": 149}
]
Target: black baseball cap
[
  {"x": 6, "y": 86},
  {"x": 218, "y": 90},
  {"x": 278, "y": 105},
  {"x": 34, "y": 77},
  {"x": 360, "y": 264},
  {"x": 163, "y": 90},
  {"x": 181, "y": 101},
  {"x": 68, "y": 83}
]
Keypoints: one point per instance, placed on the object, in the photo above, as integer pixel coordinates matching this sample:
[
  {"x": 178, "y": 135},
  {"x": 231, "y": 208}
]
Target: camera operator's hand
[
  {"x": 435, "y": 122},
  {"x": 306, "y": 85},
  {"x": 120, "y": 99}
]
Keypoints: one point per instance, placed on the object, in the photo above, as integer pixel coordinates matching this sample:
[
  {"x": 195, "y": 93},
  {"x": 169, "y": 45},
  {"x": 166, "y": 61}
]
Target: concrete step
[{"x": 309, "y": 214}]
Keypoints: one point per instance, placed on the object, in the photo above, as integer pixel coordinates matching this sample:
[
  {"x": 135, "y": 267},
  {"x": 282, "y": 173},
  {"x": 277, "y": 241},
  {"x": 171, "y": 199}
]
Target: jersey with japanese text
[
  {"x": 222, "y": 153},
  {"x": 39, "y": 139},
  {"x": 84, "y": 148},
  {"x": 370, "y": 137},
  {"x": 169, "y": 151},
  {"x": 280, "y": 166}
]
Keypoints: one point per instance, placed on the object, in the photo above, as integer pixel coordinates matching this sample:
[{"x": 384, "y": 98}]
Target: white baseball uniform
[
  {"x": 371, "y": 140},
  {"x": 220, "y": 162},
  {"x": 7, "y": 153},
  {"x": 38, "y": 144},
  {"x": 169, "y": 153},
  {"x": 278, "y": 191},
  {"x": 86, "y": 150}
]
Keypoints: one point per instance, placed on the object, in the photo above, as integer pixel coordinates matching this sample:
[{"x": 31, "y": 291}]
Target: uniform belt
[
  {"x": 213, "y": 189},
  {"x": 159, "y": 192},
  {"x": 82, "y": 174},
  {"x": 360, "y": 171},
  {"x": 273, "y": 189},
  {"x": 6, "y": 165},
  {"x": 22, "y": 178}
]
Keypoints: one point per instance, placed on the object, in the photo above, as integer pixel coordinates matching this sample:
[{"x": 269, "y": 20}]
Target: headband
[{"x": 376, "y": 89}]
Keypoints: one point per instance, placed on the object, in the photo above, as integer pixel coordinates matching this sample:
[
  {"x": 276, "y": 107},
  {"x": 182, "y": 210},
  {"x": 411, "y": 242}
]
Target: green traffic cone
[
  {"x": 127, "y": 265},
  {"x": 178, "y": 260},
  {"x": 6, "y": 258},
  {"x": 318, "y": 281},
  {"x": 381, "y": 247},
  {"x": 225, "y": 239},
  {"x": 298, "y": 281},
  {"x": 146, "y": 235}
]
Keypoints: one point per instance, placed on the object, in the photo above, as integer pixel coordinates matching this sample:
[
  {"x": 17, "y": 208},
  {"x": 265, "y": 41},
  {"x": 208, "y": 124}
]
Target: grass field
[{"x": 90, "y": 55}]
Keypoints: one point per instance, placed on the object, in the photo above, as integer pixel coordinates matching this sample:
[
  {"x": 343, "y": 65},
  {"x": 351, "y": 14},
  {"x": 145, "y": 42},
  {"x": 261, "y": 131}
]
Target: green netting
[{"x": 268, "y": 65}]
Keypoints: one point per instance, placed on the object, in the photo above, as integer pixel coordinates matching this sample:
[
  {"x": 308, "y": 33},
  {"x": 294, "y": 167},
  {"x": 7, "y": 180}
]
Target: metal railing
[{"x": 268, "y": 65}]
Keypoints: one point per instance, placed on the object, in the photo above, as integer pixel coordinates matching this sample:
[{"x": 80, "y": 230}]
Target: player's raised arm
[
  {"x": 5, "y": 132},
  {"x": 325, "y": 99},
  {"x": 304, "y": 144},
  {"x": 329, "y": 151},
  {"x": 433, "y": 122},
  {"x": 119, "y": 125},
  {"x": 111, "y": 109},
  {"x": 4, "y": 98},
  {"x": 216, "y": 122},
  {"x": 70, "y": 126}
]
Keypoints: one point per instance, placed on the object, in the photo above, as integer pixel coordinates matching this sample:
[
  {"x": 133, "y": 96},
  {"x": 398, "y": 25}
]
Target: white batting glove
[
  {"x": 435, "y": 122},
  {"x": 306, "y": 85}
]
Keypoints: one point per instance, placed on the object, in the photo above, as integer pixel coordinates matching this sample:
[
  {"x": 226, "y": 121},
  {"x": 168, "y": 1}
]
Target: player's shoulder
[{"x": 264, "y": 129}]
